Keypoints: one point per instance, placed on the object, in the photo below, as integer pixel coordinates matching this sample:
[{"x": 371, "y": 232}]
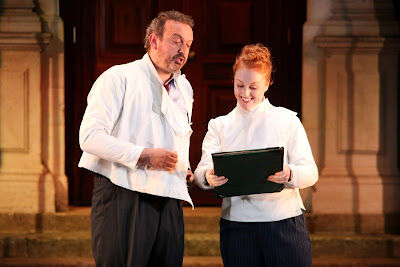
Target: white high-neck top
[{"x": 262, "y": 127}]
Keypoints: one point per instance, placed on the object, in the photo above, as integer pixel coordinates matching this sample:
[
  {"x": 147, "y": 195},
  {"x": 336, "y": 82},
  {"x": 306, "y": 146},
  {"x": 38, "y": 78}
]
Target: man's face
[{"x": 173, "y": 48}]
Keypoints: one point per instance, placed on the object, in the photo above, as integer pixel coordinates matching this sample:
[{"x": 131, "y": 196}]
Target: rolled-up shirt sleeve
[
  {"x": 300, "y": 158},
  {"x": 105, "y": 104}
]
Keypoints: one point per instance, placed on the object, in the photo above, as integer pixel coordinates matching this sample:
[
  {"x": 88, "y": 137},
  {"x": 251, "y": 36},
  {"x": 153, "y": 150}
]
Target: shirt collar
[
  {"x": 169, "y": 80},
  {"x": 262, "y": 105},
  {"x": 153, "y": 70}
]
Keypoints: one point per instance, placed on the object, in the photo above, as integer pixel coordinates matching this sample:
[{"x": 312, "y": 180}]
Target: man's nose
[{"x": 183, "y": 49}]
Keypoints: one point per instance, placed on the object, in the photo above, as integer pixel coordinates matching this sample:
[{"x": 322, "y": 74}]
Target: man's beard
[{"x": 170, "y": 65}]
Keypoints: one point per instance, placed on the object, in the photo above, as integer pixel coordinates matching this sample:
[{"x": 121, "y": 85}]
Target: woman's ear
[
  {"x": 267, "y": 87},
  {"x": 266, "y": 90}
]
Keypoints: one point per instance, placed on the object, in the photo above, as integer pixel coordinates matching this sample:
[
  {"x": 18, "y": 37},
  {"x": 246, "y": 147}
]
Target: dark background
[{"x": 103, "y": 33}]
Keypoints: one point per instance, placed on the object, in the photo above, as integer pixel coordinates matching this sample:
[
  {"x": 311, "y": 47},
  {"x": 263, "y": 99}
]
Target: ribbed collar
[{"x": 263, "y": 105}]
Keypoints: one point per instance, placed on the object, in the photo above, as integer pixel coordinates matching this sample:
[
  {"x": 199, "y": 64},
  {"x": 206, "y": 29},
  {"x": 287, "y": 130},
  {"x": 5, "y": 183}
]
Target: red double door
[{"x": 103, "y": 33}]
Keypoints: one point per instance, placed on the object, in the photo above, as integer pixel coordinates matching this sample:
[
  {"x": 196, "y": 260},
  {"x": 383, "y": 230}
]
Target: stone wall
[
  {"x": 32, "y": 142},
  {"x": 350, "y": 112},
  {"x": 350, "y": 100}
]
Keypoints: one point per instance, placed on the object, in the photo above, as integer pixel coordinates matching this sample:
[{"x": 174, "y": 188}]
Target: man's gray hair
[{"x": 157, "y": 24}]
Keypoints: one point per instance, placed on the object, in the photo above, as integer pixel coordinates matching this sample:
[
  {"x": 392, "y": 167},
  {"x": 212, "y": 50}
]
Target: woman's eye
[
  {"x": 240, "y": 85},
  {"x": 253, "y": 87}
]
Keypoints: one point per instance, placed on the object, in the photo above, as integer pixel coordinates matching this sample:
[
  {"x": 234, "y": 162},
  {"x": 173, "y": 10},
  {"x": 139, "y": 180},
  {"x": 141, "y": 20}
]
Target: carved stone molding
[
  {"x": 358, "y": 44},
  {"x": 26, "y": 184},
  {"x": 17, "y": 16},
  {"x": 24, "y": 41},
  {"x": 350, "y": 65}
]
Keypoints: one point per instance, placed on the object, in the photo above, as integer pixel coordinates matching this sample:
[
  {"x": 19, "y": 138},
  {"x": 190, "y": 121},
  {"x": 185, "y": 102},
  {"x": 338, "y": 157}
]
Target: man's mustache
[{"x": 180, "y": 55}]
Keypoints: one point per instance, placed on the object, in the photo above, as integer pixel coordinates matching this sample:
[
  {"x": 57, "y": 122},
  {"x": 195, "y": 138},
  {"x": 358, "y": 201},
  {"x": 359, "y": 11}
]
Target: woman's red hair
[{"x": 255, "y": 56}]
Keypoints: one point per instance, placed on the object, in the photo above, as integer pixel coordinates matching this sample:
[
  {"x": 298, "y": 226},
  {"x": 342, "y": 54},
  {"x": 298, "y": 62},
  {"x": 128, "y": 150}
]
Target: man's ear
[{"x": 153, "y": 41}]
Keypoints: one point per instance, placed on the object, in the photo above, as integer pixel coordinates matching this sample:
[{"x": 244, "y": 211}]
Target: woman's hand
[
  {"x": 215, "y": 180},
  {"x": 281, "y": 177}
]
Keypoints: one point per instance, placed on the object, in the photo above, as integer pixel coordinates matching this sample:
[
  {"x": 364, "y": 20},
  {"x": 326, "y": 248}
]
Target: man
[{"x": 135, "y": 137}]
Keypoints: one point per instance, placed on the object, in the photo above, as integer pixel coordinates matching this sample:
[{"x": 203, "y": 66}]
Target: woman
[{"x": 260, "y": 229}]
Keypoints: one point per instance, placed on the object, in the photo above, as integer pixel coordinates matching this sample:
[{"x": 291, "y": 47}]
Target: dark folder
[{"x": 247, "y": 171}]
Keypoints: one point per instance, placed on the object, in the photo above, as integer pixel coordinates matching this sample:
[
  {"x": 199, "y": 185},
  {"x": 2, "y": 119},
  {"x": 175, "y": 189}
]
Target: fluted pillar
[
  {"x": 350, "y": 100},
  {"x": 52, "y": 99},
  {"x": 30, "y": 118}
]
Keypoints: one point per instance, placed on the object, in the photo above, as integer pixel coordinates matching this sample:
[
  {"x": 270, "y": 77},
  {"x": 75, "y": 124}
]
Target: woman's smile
[{"x": 250, "y": 86}]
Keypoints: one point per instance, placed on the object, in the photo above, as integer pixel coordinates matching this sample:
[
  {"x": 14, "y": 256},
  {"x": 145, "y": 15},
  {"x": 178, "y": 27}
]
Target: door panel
[
  {"x": 79, "y": 41},
  {"x": 120, "y": 29},
  {"x": 110, "y": 32},
  {"x": 222, "y": 29}
]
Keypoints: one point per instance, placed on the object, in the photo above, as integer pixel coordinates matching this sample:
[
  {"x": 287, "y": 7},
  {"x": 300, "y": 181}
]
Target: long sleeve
[
  {"x": 264, "y": 126},
  {"x": 105, "y": 104},
  {"x": 211, "y": 144},
  {"x": 300, "y": 158}
]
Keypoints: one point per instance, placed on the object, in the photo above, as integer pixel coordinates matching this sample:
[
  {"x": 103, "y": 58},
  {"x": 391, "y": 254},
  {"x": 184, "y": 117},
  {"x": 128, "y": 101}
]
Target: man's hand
[
  {"x": 190, "y": 179},
  {"x": 159, "y": 158}
]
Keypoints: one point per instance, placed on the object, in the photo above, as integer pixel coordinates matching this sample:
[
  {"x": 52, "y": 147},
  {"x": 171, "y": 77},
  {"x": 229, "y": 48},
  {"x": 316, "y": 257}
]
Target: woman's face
[{"x": 249, "y": 87}]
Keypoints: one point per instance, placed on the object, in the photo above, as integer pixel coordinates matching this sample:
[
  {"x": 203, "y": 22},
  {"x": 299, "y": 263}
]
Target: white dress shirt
[
  {"x": 129, "y": 110},
  {"x": 176, "y": 96},
  {"x": 262, "y": 127}
]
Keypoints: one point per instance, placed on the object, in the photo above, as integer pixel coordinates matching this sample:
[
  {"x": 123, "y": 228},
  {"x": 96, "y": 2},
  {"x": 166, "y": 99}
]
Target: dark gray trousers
[
  {"x": 274, "y": 244},
  {"x": 135, "y": 229}
]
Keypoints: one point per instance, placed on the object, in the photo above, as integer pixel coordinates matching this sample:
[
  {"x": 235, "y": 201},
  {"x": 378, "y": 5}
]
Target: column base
[
  {"x": 27, "y": 193},
  {"x": 355, "y": 204}
]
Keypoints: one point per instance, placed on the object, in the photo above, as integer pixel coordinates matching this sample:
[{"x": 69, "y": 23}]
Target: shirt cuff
[
  {"x": 290, "y": 183},
  {"x": 202, "y": 183},
  {"x": 133, "y": 157}
]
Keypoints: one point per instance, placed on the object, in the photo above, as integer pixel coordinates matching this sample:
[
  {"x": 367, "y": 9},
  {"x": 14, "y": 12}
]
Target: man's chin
[{"x": 176, "y": 67}]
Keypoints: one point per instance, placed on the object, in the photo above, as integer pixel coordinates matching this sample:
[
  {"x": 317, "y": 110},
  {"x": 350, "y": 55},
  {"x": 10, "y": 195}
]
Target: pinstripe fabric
[
  {"x": 135, "y": 229},
  {"x": 281, "y": 243}
]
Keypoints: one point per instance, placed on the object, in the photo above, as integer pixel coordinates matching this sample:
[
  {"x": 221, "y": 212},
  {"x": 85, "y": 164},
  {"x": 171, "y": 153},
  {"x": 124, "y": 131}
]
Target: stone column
[
  {"x": 350, "y": 100},
  {"x": 30, "y": 118},
  {"x": 52, "y": 84}
]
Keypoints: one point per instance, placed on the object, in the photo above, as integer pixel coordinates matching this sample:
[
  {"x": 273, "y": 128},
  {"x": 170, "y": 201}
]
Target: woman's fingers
[
  {"x": 215, "y": 180},
  {"x": 281, "y": 177},
  {"x": 218, "y": 180}
]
